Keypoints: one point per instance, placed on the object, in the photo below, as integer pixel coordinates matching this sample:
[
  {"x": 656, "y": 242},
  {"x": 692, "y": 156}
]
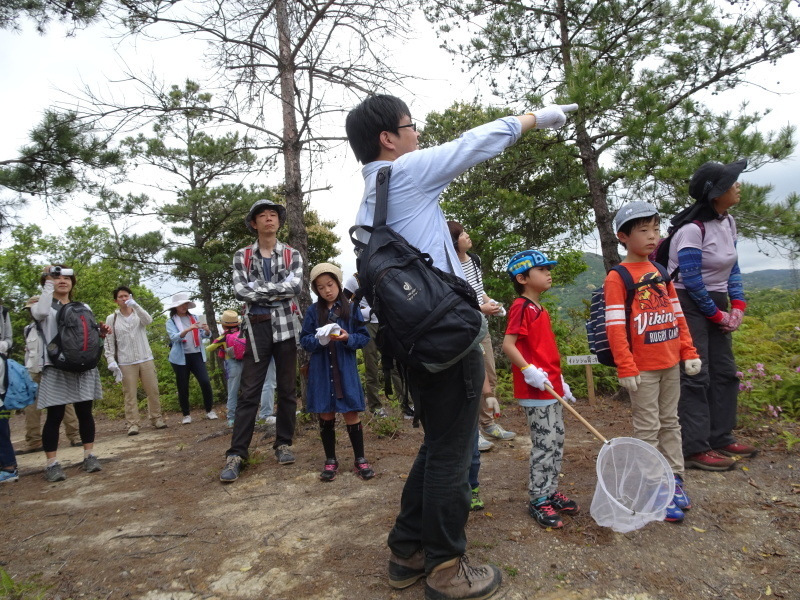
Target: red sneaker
[
  {"x": 709, "y": 461},
  {"x": 738, "y": 449}
]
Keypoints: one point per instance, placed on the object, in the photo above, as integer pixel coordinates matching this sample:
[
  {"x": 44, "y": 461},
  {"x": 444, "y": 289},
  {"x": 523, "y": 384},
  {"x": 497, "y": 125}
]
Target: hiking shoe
[
  {"x": 233, "y": 465},
  {"x": 456, "y": 578},
  {"x": 563, "y": 504},
  {"x": 133, "y": 430},
  {"x": 484, "y": 445},
  {"x": 211, "y": 415},
  {"x": 709, "y": 461},
  {"x": 54, "y": 473},
  {"x": 363, "y": 470},
  {"x": 738, "y": 449},
  {"x": 8, "y": 476},
  {"x": 330, "y": 470},
  {"x": 476, "y": 503},
  {"x": 545, "y": 514},
  {"x": 494, "y": 430},
  {"x": 91, "y": 464},
  {"x": 29, "y": 450},
  {"x": 186, "y": 419},
  {"x": 681, "y": 500},
  {"x": 404, "y": 572},
  {"x": 284, "y": 455},
  {"x": 160, "y": 424},
  {"x": 76, "y": 443},
  {"x": 674, "y": 514}
]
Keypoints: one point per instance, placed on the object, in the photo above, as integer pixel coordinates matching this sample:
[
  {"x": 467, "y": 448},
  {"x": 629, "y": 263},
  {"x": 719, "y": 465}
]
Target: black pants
[
  {"x": 434, "y": 506},
  {"x": 707, "y": 408},
  {"x": 196, "y": 366},
  {"x": 55, "y": 414},
  {"x": 253, "y": 375}
]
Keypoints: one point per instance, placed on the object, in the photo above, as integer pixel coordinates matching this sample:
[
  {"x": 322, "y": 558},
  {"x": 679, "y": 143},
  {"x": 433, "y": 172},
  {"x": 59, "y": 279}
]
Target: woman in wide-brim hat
[
  {"x": 187, "y": 354},
  {"x": 709, "y": 287}
]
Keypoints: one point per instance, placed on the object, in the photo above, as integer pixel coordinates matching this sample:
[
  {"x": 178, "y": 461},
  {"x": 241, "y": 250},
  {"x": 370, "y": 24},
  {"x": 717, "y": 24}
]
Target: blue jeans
[
  {"x": 268, "y": 393},
  {"x": 434, "y": 506},
  {"x": 233, "y": 369}
]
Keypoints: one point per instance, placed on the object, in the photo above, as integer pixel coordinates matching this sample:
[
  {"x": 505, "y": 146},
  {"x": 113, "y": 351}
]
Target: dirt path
[{"x": 156, "y": 524}]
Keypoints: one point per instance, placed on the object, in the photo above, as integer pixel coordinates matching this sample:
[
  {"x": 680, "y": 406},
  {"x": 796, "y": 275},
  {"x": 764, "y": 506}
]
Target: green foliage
[
  {"x": 78, "y": 13},
  {"x": 31, "y": 589}
]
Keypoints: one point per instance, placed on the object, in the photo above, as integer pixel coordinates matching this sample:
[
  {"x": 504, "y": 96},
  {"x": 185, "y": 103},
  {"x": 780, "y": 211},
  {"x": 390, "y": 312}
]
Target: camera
[{"x": 58, "y": 271}]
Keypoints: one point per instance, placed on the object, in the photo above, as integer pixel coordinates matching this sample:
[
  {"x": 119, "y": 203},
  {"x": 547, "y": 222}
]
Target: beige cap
[
  {"x": 31, "y": 301},
  {"x": 326, "y": 268}
]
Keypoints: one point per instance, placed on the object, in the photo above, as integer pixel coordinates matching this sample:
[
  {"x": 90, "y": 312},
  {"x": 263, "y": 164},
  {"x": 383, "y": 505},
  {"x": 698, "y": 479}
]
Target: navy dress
[{"x": 333, "y": 383}]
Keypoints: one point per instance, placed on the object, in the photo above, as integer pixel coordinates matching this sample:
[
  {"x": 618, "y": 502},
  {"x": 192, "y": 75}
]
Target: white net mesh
[{"x": 634, "y": 485}]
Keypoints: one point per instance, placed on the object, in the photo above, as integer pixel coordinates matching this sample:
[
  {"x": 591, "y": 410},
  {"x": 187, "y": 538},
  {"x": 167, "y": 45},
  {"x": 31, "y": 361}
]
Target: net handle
[{"x": 577, "y": 415}]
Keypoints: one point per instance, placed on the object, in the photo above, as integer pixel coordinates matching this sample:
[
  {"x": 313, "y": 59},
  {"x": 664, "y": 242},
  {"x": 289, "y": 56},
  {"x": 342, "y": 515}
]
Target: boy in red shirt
[
  {"x": 650, "y": 343},
  {"x": 530, "y": 345}
]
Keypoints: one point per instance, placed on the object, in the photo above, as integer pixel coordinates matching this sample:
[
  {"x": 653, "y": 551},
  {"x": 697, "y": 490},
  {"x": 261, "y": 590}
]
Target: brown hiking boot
[
  {"x": 404, "y": 572},
  {"x": 455, "y": 579}
]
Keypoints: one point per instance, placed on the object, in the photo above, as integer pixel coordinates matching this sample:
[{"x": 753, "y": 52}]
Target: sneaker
[
  {"x": 8, "y": 476},
  {"x": 404, "y": 572},
  {"x": 681, "y": 500},
  {"x": 233, "y": 465},
  {"x": 160, "y": 424},
  {"x": 484, "y": 445},
  {"x": 362, "y": 469},
  {"x": 330, "y": 470},
  {"x": 476, "y": 503},
  {"x": 709, "y": 461},
  {"x": 408, "y": 411},
  {"x": 284, "y": 455},
  {"x": 380, "y": 413},
  {"x": 738, "y": 449},
  {"x": 545, "y": 514},
  {"x": 91, "y": 464},
  {"x": 76, "y": 443},
  {"x": 494, "y": 430},
  {"x": 563, "y": 504},
  {"x": 272, "y": 420},
  {"x": 54, "y": 473},
  {"x": 211, "y": 415},
  {"x": 674, "y": 514},
  {"x": 133, "y": 430},
  {"x": 456, "y": 578},
  {"x": 186, "y": 420}
]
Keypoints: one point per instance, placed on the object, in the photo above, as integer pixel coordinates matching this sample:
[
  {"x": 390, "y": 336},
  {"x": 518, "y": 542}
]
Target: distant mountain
[{"x": 572, "y": 296}]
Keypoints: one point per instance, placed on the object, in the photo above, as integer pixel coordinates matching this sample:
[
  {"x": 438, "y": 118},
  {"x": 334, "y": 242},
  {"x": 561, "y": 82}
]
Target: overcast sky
[{"x": 37, "y": 67}]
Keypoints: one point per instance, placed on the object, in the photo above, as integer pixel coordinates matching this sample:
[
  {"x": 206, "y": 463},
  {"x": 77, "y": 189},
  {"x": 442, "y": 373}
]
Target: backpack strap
[
  {"x": 248, "y": 256},
  {"x": 382, "y": 196},
  {"x": 702, "y": 227},
  {"x": 524, "y": 306}
]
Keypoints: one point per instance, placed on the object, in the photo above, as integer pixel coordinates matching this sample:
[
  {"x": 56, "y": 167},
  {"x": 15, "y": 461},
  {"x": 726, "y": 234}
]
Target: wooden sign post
[{"x": 588, "y": 360}]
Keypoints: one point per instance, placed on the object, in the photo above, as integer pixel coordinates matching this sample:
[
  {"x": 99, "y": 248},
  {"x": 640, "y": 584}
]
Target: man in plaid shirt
[{"x": 268, "y": 276}]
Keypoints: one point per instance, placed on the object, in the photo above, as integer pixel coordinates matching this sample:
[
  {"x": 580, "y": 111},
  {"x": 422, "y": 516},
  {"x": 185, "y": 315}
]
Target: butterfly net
[{"x": 634, "y": 485}]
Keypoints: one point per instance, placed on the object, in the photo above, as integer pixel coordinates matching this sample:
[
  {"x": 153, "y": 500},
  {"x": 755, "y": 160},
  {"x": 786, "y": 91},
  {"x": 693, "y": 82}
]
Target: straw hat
[
  {"x": 180, "y": 298},
  {"x": 230, "y": 318},
  {"x": 329, "y": 268}
]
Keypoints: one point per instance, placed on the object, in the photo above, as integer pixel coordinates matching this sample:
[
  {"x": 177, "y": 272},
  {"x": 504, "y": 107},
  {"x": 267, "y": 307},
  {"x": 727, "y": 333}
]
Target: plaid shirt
[{"x": 254, "y": 288}]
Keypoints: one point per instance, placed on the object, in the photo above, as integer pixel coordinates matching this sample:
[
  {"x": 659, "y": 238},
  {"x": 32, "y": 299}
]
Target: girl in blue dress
[{"x": 332, "y": 332}]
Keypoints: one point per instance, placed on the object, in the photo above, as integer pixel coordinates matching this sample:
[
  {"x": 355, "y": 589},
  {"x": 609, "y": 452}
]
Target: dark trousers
[
  {"x": 434, "y": 506},
  {"x": 7, "y": 458},
  {"x": 52, "y": 423},
  {"x": 253, "y": 375},
  {"x": 197, "y": 367},
  {"x": 707, "y": 407}
]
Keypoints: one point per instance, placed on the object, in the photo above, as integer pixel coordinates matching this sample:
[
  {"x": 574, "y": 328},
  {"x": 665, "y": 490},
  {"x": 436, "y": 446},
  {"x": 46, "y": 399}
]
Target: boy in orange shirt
[{"x": 649, "y": 339}]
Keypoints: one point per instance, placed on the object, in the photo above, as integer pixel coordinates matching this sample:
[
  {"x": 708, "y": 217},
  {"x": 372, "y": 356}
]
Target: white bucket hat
[{"x": 180, "y": 298}]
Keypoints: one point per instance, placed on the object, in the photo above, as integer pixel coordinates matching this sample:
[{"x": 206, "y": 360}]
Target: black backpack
[
  {"x": 661, "y": 254},
  {"x": 596, "y": 325},
  {"x": 77, "y": 346},
  {"x": 429, "y": 319}
]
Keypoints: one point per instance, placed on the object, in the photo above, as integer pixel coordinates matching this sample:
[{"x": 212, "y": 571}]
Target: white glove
[
  {"x": 630, "y": 383},
  {"x": 114, "y": 368},
  {"x": 49, "y": 286},
  {"x": 3, "y": 347},
  {"x": 553, "y": 116},
  {"x": 252, "y": 284},
  {"x": 502, "y": 311},
  {"x": 535, "y": 377},
  {"x": 692, "y": 366},
  {"x": 131, "y": 302},
  {"x": 567, "y": 392},
  {"x": 325, "y": 332},
  {"x": 113, "y": 365},
  {"x": 493, "y": 405}
]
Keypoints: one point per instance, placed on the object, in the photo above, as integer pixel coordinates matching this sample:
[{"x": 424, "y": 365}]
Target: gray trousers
[{"x": 546, "y": 425}]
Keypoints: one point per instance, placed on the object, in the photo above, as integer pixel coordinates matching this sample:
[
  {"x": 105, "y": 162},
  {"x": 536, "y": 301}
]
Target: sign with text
[{"x": 584, "y": 359}]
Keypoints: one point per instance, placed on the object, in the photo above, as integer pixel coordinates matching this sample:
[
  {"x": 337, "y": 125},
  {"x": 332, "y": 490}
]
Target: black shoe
[
  {"x": 233, "y": 465},
  {"x": 545, "y": 514},
  {"x": 563, "y": 504},
  {"x": 363, "y": 469},
  {"x": 330, "y": 470},
  {"x": 284, "y": 455}
]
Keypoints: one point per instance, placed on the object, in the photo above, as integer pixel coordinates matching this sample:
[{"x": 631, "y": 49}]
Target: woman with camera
[{"x": 60, "y": 387}]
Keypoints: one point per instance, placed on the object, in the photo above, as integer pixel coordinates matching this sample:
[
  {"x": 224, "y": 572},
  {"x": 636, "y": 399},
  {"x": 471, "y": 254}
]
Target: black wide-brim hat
[{"x": 713, "y": 179}]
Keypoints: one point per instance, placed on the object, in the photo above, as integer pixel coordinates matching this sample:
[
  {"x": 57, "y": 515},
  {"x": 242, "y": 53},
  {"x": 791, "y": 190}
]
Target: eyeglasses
[{"x": 412, "y": 125}]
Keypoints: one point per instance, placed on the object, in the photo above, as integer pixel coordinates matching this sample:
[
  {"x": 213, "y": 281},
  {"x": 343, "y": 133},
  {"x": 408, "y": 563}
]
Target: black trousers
[{"x": 253, "y": 375}]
